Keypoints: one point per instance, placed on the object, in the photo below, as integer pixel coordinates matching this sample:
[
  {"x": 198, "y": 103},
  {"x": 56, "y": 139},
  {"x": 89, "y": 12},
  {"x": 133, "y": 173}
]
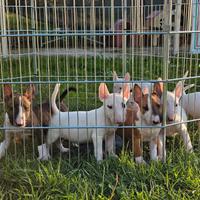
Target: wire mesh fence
[{"x": 80, "y": 45}]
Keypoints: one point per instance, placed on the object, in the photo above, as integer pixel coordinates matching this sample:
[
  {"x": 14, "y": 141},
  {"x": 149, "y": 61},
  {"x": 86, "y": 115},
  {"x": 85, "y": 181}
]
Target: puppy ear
[
  {"x": 158, "y": 88},
  {"x": 126, "y": 91},
  {"x": 127, "y": 77},
  {"x": 103, "y": 92},
  {"x": 186, "y": 74},
  {"x": 30, "y": 92},
  {"x": 7, "y": 90},
  {"x": 179, "y": 90},
  {"x": 115, "y": 77},
  {"x": 137, "y": 94}
]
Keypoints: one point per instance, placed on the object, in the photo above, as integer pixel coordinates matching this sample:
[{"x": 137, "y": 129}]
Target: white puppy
[
  {"x": 90, "y": 125},
  {"x": 175, "y": 114},
  {"x": 119, "y": 82},
  {"x": 191, "y": 105}
]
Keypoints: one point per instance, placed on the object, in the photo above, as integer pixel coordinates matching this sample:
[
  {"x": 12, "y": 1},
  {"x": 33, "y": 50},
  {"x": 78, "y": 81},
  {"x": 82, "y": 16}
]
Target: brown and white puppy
[
  {"x": 142, "y": 110},
  {"x": 20, "y": 113}
]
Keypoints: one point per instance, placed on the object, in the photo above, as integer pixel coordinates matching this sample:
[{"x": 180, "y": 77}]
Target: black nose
[
  {"x": 170, "y": 119},
  {"x": 19, "y": 124},
  {"x": 156, "y": 122}
]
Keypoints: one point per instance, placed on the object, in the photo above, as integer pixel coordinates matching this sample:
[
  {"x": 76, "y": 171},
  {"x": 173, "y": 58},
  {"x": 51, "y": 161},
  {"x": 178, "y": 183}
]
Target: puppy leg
[
  {"x": 153, "y": 149},
  {"x": 161, "y": 151},
  {"x": 97, "y": 142},
  {"x": 186, "y": 138},
  {"x": 5, "y": 144},
  {"x": 110, "y": 144},
  {"x": 60, "y": 146},
  {"x": 43, "y": 149},
  {"x": 136, "y": 147},
  {"x": 43, "y": 152}
]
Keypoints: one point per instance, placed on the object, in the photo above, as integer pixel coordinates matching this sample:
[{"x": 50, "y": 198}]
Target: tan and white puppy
[
  {"x": 144, "y": 110},
  {"x": 90, "y": 125}
]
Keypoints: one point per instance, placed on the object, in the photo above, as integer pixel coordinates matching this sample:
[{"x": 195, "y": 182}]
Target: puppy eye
[
  {"x": 110, "y": 107},
  {"x": 123, "y": 105},
  {"x": 145, "y": 108},
  {"x": 176, "y": 105},
  {"x": 120, "y": 88}
]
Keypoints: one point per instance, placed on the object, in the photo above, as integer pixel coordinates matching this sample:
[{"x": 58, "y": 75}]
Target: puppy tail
[
  {"x": 188, "y": 87},
  {"x": 62, "y": 96},
  {"x": 53, "y": 98}
]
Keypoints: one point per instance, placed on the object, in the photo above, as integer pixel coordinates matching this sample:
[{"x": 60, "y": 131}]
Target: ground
[{"x": 77, "y": 175}]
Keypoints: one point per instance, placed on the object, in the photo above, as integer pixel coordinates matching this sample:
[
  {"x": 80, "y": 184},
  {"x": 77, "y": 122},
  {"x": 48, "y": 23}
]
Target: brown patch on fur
[
  {"x": 156, "y": 105},
  {"x": 140, "y": 98},
  {"x": 133, "y": 135},
  {"x": 158, "y": 88}
]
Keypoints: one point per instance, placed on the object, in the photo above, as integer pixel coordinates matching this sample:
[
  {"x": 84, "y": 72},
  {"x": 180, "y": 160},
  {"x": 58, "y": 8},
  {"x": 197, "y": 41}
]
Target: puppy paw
[
  {"x": 44, "y": 158},
  {"x": 64, "y": 150},
  {"x": 140, "y": 160}
]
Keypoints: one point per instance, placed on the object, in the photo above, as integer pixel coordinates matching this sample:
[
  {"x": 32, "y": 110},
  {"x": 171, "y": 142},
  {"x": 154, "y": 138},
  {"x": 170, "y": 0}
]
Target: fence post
[
  {"x": 166, "y": 48},
  {"x": 34, "y": 42},
  {"x": 4, "y": 43},
  {"x": 124, "y": 37},
  {"x": 177, "y": 26}
]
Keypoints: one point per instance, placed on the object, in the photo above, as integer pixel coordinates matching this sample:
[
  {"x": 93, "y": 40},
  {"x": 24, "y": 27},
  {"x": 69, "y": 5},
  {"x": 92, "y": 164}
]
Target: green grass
[
  {"x": 178, "y": 178},
  {"x": 81, "y": 177}
]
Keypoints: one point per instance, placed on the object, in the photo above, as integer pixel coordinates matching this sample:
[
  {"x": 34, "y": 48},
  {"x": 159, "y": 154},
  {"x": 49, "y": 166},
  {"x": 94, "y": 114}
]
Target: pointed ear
[
  {"x": 126, "y": 91},
  {"x": 179, "y": 89},
  {"x": 186, "y": 74},
  {"x": 115, "y": 77},
  {"x": 7, "y": 90},
  {"x": 30, "y": 92},
  {"x": 103, "y": 92},
  {"x": 137, "y": 94},
  {"x": 127, "y": 77},
  {"x": 158, "y": 88}
]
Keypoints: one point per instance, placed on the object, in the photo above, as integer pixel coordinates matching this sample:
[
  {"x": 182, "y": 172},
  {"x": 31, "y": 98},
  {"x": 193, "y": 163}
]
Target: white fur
[
  {"x": 8, "y": 132},
  {"x": 118, "y": 84},
  {"x": 149, "y": 134},
  {"x": 177, "y": 114},
  {"x": 140, "y": 160},
  {"x": 102, "y": 116},
  {"x": 190, "y": 103},
  {"x": 20, "y": 119}
]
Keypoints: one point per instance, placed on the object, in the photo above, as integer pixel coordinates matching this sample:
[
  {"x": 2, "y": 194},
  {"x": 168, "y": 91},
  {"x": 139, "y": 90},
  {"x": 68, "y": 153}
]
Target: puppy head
[
  {"x": 114, "y": 104},
  {"x": 133, "y": 111},
  {"x": 18, "y": 107},
  {"x": 118, "y": 84},
  {"x": 156, "y": 99},
  {"x": 173, "y": 99},
  {"x": 149, "y": 105}
]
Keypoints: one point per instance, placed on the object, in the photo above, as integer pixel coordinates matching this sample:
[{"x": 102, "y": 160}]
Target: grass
[{"x": 70, "y": 176}]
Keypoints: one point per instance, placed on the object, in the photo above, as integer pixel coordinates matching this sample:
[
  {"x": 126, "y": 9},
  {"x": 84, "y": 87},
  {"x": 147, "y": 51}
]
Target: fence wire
[{"x": 80, "y": 44}]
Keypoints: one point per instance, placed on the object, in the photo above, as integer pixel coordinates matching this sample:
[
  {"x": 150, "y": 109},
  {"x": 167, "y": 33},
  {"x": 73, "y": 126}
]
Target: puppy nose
[
  {"x": 170, "y": 119},
  {"x": 156, "y": 122},
  {"x": 19, "y": 124}
]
